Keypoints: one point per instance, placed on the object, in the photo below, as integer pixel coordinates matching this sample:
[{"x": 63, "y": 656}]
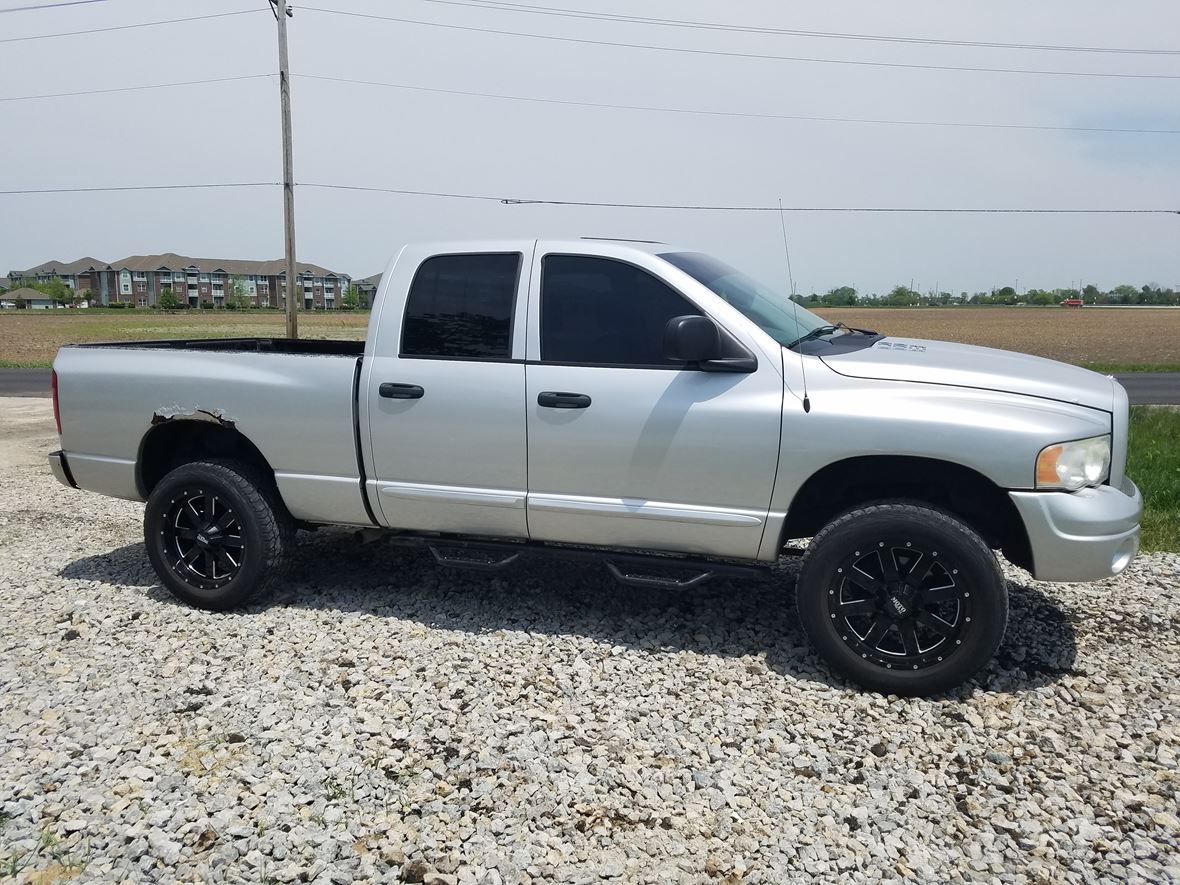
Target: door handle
[
  {"x": 400, "y": 391},
  {"x": 551, "y": 399}
]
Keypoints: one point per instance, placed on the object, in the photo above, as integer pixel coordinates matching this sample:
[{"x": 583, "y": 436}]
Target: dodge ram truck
[{"x": 650, "y": 407}]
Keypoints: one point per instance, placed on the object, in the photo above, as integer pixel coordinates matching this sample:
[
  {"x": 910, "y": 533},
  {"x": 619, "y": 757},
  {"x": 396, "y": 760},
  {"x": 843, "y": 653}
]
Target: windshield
[{"x": 774, "y": 313}]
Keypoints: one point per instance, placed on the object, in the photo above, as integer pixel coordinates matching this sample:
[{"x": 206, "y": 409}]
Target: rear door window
[{"x": 461, "y": 307}]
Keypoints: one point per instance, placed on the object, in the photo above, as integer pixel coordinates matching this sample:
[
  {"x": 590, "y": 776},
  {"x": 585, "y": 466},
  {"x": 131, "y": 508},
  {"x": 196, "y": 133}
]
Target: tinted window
[
  {"x": 461, "y": 306},
  {"x": 777, "y": 315},
  {"x": 600, "y": 311}
]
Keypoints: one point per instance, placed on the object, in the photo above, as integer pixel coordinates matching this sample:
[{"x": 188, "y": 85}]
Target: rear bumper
[
  {"x": 1081, "y": 536},
  {"x": 61, "y": 469}
]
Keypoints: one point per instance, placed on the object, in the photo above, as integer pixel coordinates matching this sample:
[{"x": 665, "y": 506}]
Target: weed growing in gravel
[{"x": 62, "y": 863}]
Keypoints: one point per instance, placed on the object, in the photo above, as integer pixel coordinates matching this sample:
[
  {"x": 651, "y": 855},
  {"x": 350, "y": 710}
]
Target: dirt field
[
  {"x": 1097, "y": 335},
  {"x": 32, "y": 337},
  {"x": 1086, "y": 335}
]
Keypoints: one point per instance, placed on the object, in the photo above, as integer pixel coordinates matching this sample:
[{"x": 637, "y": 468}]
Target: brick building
[{"x": 140, "y": 279}]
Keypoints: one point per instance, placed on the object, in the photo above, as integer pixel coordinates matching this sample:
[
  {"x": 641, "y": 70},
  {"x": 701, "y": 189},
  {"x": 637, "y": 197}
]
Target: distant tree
[
  {"x": 842, "y": 296},
  {"x": 239, "y": 292},
  {"x": 351, "y": 299},
  {"x": 1006, "y": 295},
  {"x": 168, "y": 300},
  {"x": 901, "y": 296},
  {"x": 1124, "y": 294}
]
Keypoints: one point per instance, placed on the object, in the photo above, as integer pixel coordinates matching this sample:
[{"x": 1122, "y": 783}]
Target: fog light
[{"x": 1124, "y": 555}]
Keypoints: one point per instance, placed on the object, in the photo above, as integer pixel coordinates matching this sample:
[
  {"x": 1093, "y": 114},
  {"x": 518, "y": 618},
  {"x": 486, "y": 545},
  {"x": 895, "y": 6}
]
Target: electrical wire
[
  {"x": 49, "y": 6},
  {"x": 789, "y": 32},
  {"x": 513, "y": 201},
  {"x": 741, "y": 114},
  {"x": 170, "y": 21},
  {"x": 135, "y": 88},
  {"x": 729, "y": 54},
  {"x": 140, "y": 187}
]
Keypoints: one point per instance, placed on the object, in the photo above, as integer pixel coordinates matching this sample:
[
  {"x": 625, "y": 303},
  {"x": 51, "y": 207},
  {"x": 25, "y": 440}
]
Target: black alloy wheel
[
  {"x": 900, "y": 606},
  {"x": 217, "y": 532},
  {"x": 902, "y": 598},
  {"x": 203, "y": 539}
]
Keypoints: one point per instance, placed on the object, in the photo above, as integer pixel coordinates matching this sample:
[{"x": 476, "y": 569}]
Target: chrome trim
[
  {"x": 642, "y": 510},
  {"x": 413, "y": 491}
]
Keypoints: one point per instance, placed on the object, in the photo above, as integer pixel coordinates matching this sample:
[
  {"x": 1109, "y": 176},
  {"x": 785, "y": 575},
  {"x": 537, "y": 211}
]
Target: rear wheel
[
  {"x": 216, "y": 533},
  {"x": 902, "y": 599}
]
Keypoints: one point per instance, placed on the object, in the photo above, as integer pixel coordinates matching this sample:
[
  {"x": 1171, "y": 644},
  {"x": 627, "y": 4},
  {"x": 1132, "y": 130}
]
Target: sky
[{"x": 357, "y": 135}]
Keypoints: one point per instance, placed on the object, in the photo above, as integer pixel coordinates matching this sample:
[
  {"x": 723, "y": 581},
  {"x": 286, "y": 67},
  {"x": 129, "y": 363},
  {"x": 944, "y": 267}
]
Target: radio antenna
[{"x": 782, "y": 219}]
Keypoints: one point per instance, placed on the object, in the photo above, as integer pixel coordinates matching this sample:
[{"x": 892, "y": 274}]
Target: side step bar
[{"x": 633, "y": 569}]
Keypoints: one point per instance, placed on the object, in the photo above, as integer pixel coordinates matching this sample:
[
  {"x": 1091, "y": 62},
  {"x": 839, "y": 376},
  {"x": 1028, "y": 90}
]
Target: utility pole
[{"x": 281, "y": 12}]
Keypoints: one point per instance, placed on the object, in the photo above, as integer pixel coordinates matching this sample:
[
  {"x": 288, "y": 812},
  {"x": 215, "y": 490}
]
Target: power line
[
  {"x": 140, "y": 187},
  {"x": 518, "y": 201},
  {"x": 752, "y": 55},
  {"x": 743, "y": 114},
  {"x": 170, "y": 21},
  {"x": 135, "y": 88},
  {"x": 789, "y": 32},
  {"x": 50, "y": 5},
  {"x": 513, "y": 201}
]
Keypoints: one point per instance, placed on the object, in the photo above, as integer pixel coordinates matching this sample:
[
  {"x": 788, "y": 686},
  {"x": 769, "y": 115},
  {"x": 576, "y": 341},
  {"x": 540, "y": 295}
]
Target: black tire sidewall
[
  {"x": 201, "y": 477},
  {"x": 863, "y": 529}
]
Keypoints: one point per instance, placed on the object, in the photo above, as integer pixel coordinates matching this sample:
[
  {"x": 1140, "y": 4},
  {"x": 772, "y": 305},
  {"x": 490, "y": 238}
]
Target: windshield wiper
[{"x": 817, "y": 332}]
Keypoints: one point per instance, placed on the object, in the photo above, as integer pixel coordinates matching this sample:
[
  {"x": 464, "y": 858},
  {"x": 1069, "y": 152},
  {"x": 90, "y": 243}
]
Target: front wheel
[
  {"x": 902, "y": 599},
  {"x": 216, "y": 533}
]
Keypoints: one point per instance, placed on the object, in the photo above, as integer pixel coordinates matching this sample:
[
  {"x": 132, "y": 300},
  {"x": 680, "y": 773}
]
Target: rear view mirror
[{"x": 692, "y": 339}]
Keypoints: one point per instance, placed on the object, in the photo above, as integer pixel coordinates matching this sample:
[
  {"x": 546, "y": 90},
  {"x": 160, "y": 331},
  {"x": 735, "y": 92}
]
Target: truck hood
[{"x": 983, "y": 368}]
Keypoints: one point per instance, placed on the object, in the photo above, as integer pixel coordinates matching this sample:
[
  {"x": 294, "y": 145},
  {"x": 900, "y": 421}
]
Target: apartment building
[
  {"x": 140, "y": 280},
  {"x": 84, "y": 275},
  {"x": 366, "y": 289}
]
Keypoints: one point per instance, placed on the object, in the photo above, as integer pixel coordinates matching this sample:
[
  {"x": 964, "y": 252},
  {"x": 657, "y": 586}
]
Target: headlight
[{"x": 1074, "y": 465}]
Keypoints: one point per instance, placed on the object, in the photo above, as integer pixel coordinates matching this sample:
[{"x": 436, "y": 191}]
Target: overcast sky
[{"x": 351, "y": 134}]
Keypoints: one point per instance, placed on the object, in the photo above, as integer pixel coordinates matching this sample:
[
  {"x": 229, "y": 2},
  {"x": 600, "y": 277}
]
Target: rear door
[
  {"x": 625, "y": 447},
  {"x": 445, "y": 391}
]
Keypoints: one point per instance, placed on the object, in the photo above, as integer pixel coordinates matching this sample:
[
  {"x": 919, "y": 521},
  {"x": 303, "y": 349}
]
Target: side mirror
[{"x": 692, "y": 339}]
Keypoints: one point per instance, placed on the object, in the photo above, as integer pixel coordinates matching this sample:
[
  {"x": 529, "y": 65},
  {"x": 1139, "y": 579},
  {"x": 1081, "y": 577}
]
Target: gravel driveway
[{"x": 381, "y": 719}]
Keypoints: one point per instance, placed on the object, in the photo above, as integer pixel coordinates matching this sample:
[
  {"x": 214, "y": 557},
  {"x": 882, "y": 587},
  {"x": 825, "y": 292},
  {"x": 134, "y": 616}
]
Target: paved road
[
  {"x": 1143, "y": 387},
  {"x": 24, "y": 382}
]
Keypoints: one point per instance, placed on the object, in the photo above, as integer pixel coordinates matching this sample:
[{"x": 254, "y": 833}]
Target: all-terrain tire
[
  {"x": 902, "y": 599},
  {"x": 217, "y": 533}
]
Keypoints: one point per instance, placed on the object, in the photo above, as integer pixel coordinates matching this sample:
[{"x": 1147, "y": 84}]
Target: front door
[
  {"x": 446, "y": 398},
  {"x": 627, "y": 448}
]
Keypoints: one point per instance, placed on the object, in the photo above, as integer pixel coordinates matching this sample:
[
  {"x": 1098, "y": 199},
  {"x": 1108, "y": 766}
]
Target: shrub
[{"x": 206, "y": 305}]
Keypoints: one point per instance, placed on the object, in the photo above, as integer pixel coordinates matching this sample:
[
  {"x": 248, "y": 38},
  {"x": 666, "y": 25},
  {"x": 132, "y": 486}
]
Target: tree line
[{"x": 904, "y": 296}]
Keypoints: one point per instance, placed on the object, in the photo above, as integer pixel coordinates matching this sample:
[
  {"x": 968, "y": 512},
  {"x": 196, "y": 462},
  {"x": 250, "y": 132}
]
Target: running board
[{"x": 632, "y": 569}]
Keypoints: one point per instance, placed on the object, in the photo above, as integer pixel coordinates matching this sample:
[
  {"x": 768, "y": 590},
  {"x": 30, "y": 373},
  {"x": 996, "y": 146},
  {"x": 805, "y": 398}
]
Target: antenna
[{"x": 782, "y": 219}]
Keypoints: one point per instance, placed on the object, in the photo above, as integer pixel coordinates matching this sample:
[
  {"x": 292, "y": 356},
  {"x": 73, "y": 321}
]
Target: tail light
[{"x": 56, "y": 408}]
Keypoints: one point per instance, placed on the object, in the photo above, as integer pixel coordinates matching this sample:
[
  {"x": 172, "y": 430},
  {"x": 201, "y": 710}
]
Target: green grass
[
  {"x": 1114, "y": 368},
  {"x": 1153, "y": 462}
]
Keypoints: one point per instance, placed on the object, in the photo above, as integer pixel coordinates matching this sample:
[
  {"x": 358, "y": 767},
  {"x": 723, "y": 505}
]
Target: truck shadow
[{"x": 550, "y": 595}]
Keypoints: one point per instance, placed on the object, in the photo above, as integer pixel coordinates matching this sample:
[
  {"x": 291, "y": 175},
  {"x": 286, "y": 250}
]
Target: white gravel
[{"x": 381, "y": 719}]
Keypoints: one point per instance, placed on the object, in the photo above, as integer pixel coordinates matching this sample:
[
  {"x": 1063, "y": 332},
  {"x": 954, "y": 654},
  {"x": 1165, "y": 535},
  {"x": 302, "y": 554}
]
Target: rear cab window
[{"x": 461, "y": 307}]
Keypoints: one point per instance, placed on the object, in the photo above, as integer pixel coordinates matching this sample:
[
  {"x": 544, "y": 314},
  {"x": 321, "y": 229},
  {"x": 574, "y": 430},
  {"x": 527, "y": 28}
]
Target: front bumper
[
  {"x": 1086, "y": 535},
  {"x": 61, "y": 469}
]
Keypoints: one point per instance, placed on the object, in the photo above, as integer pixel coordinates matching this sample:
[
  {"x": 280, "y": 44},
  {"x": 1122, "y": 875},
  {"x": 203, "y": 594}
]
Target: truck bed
[
  {"x": 314, "y": 347},
  {"x": 294, "y": 400}
]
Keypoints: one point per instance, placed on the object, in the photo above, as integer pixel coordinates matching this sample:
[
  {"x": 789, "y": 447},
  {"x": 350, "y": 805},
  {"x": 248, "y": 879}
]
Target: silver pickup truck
[{"x": 651, "y": 407}]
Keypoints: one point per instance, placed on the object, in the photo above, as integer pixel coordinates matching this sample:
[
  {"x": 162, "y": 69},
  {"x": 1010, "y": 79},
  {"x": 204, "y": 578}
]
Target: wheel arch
[
  {"x": 959, "y": 490},
  {"x": 175, "y": 441}
]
